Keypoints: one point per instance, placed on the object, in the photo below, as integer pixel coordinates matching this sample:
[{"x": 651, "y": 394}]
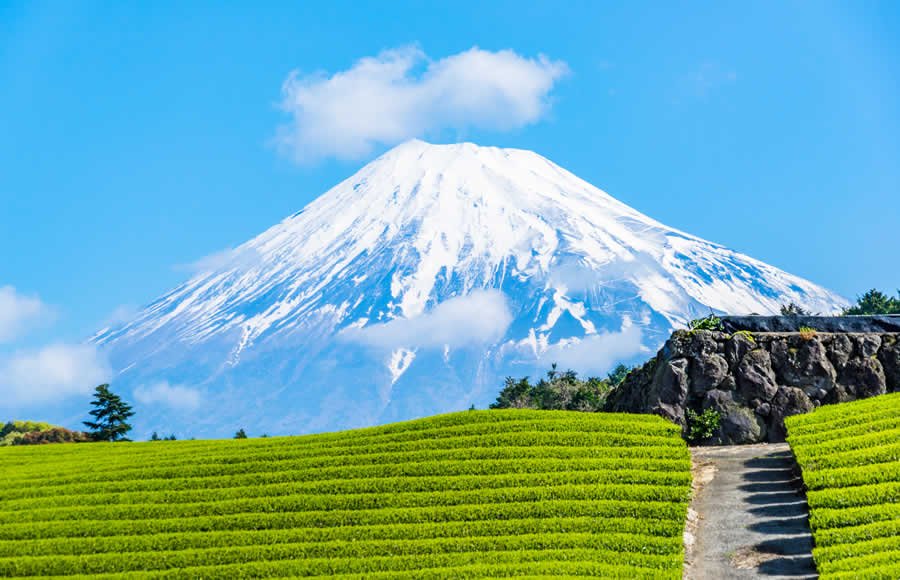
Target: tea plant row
[{"x": 849, "y": 455}]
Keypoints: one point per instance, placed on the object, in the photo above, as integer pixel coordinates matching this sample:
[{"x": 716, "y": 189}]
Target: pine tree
[
  {"x": 241, "y": 434},
  {"x": 793, "y": 309},
  {"x": 155, "y": 437},
  {"x": 111, "y": 416},
  {"x": 875, "y": 302}
]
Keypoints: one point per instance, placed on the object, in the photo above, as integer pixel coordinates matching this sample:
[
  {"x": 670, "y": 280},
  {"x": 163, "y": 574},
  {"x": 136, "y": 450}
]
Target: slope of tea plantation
[
  {"x": 471, "y": 494},
  {"x": 850, "y": 459}
]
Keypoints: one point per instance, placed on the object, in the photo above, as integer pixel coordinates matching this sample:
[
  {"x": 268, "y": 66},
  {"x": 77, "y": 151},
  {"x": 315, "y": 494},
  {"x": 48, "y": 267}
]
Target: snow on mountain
[{"x": 415, "y": 285}]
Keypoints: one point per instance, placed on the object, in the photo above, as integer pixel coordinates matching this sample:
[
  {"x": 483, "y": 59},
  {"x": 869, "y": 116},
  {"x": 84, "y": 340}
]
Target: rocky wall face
[{"x": 755, "y": 380}]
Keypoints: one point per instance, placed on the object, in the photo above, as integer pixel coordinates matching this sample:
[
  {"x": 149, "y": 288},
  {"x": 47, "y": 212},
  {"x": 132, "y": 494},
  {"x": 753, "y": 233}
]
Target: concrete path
[{"x": 749, "y": 517}]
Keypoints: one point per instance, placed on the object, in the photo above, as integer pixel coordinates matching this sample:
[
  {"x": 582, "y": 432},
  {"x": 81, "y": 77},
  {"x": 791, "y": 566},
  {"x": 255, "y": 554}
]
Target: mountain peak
[
  {"x": 436, "y": 154},
  {"x": 361, "y": 306}
]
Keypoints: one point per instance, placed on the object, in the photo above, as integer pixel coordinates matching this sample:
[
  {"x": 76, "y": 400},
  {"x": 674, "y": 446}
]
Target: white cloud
[
  {"x": 481, "y": 317},
  {"x": 402, "y": 94},
  {"x": 18, "y": 312},
  {"x": 51, "y": 373},
  {"x": 242, "y": 257},
  {"x": 575, "y": 276},
  {"x": 596, "y": 353},
  {"x": 162, "y": 393}
]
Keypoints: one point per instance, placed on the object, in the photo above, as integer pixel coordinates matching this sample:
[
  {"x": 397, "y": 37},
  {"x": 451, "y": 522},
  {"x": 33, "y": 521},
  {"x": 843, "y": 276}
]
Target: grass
[
  {"x": 464, "y": 495},
  {"x": 808, "y": 332},
  {"x": 850, "y": 458}
]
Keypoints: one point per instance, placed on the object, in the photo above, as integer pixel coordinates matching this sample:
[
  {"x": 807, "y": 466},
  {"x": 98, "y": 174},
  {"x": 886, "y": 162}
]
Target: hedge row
[
  {"x": 619, "y": 423},
  {"x": 616, "y": 531},
  {"x": 849, "y": 455},
  {"x": 474, "y": 494},
  {"x": 125, "y": 467},
  {"x": 471, "y": 462},
  {"x": 359, "y": 485}
]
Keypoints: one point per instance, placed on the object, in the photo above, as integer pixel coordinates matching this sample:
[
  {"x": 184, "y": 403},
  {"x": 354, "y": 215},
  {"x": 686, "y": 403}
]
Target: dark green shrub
[
  {"x": 711, "y": 322},
  {"x": 703, "y": 426},
  {"x": 562, "y": 391},
  {"x": 54, "y": 435},
  {"x": 793, "y": 309},
  {"x": 13, "y": 433}
]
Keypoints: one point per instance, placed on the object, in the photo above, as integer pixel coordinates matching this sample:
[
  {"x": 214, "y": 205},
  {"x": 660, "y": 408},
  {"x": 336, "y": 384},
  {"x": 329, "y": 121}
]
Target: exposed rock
[
  {"x": 738, "y": 424},
  {"x": 718, "y": 400},
  {"x": 755, "y": 377},
  {"x": 754, "y": 381},
  {"x": 804, "y": 364},
  {"x": 737, "y": 347},
  {"x": 728, "y": 383},
  {"x": 707, "y": 372},
  {"x": 867, "y": 345},
  {"x": 673, "y": 388},
  {"x": 840, "y": 351},
  {"x": 864, "y": 377},
  {"x": 890, "y": 360},
  {"x": 788, "y": 401}
]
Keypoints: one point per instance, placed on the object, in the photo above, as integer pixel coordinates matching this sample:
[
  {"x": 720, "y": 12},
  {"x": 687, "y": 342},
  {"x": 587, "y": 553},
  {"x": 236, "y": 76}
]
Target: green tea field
[
  {"x": 850, "y": 458},
  {"x": 471, "y": 494}
]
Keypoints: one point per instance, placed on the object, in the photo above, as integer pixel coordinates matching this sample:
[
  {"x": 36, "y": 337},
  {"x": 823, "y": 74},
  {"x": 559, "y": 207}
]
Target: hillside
[
  {"x": 460, "y": 495},
  {"x": 415, "y": 286},
  {"x": 850, "y": 459}
]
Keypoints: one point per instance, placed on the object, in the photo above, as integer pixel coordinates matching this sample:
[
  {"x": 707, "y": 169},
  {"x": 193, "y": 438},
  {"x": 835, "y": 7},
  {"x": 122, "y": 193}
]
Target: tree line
[
  {"x": 560, "y": 390},
  {"x": 110, "y": 423},
  {"x": 872, "y": 303}
]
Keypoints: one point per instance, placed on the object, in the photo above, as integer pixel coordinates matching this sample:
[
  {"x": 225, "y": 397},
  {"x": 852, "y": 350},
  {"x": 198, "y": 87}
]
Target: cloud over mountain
[
  {"x": 18, "y": 312},
  {"x": 402, "y": 94},
  {"x": 481, "y": 317},
  {"x": 50, "y": 373},
  {"x": 176, "y": 397}
]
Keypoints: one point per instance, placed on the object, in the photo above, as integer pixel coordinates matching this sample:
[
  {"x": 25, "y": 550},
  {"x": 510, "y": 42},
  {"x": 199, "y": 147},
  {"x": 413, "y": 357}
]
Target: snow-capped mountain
[{"x": 417, "y": 284}]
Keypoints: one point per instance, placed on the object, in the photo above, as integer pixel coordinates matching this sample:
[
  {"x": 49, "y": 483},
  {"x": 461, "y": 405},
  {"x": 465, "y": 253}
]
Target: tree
[
  {"x": 793, "y": 309},
  {"x": 875, "y": 302},
  {"x": 241, "y": 434},
  {"x": 155, "y": 437},
  {"x": 558, "y": 390},
  {"x": 617, "y": 375},
  {"x": 111, "y": 416}
]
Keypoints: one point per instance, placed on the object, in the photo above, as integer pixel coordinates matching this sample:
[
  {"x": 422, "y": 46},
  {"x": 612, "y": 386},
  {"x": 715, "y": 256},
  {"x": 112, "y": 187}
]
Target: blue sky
[{"x": 137, "y": 137}]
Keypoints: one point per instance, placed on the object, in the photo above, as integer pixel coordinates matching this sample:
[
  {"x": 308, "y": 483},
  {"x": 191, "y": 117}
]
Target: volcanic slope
[
  {"x": 415, "y": 286},
  {"x": 470, "y": 494}
]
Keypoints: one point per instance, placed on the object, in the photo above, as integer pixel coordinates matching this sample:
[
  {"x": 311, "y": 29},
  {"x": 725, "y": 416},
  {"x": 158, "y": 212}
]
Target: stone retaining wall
[{"x": 755, "y": 380}]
